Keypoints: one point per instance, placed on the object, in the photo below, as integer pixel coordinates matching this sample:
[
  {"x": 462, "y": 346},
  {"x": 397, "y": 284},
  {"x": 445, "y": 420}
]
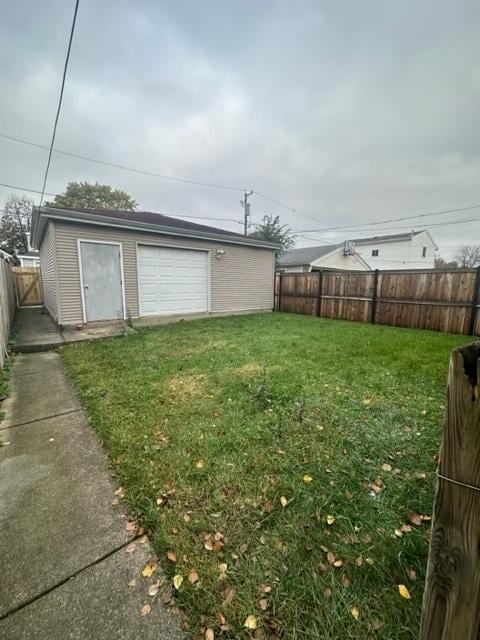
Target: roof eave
[{"x": 95, "y": 219}]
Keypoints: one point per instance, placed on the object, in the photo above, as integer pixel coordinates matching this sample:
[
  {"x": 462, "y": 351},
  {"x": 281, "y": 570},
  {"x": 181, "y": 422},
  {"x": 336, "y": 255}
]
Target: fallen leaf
[
  {"x": 131, "y": 547},
  {"x": 328, "y": 593},
  {"x": 229, "y": 594},
  {"x": 143, "y": 539},
  {"x": 131, "y": 527},
  {"x": 251, "y": 622},
  {"x": 193, "y": 576},
  {"x": 171, "y": 556},
  {"x": 330, "y": 519},
  {"x": 331, "y": 557},
  {"x": 283, "y": 501},
  {"x": 177, "y": 581},
  {"x": 404, "y": 592},
  {"x": 355, "y": 611},
  {"x": 345, "y": 581},
  {"x": 209, "y": 634},
  {"x": 338, "y": 563},
  {"x": 153, "y": 589},
  {"x": 386, "y": 467},
  {"x": 186, "y": 517},
  {"x": 266, "y": 588},
  {"x": 149, "y": 569},
  {"x": 415, "y": 518},
  {"x": 146, "y": 609},
  {"x": 223, "y": 567},
  {"x": 412, "y": 574},
  {"x": 263, "y": 604},
  {"x": 200, "y": 464},
  {"x": 307, "y": 478},
  {"x": 119, "y": 492},
  {"x": 132, "y": 583}
]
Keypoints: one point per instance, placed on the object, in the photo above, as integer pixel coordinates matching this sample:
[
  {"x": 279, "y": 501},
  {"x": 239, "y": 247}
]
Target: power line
[
  {"x": 60, "y": 99},
  {"x": 13, "y": 186},
  {"x": 177, "y": 215},
  {"x": 121, "y": 166},
  {"x": 285, "y": 206},
  {"x": 379, "y": 222}
]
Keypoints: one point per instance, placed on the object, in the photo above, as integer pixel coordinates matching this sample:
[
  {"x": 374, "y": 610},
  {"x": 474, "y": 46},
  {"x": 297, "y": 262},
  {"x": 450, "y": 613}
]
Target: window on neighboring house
[
  {"x": 374, "y": 253},
  {"x": 424, "y": 252}
]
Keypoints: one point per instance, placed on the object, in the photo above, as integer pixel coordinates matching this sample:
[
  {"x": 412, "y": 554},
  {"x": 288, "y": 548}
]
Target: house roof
[
  {"x": 140, "y": 221},
  {"x": 387, "y": 238},
  {"x": 305, "y": 255}
]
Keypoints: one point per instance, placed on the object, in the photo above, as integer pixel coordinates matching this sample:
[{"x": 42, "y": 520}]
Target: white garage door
[{"x": 172, "y": 281}]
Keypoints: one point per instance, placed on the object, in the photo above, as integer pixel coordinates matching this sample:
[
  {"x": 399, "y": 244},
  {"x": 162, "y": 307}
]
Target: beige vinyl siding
[
  {"x": 338, "y": 260},
  {"x": 241, "y": 280},
  {"x": 48, "y": 271}
]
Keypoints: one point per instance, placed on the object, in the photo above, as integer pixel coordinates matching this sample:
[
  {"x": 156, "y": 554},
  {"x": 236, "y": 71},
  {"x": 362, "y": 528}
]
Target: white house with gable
[{"x": 413, "y": 250}]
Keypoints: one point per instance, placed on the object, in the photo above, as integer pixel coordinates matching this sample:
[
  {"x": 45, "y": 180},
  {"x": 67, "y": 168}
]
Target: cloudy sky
[{"x": 348, "y": 112}]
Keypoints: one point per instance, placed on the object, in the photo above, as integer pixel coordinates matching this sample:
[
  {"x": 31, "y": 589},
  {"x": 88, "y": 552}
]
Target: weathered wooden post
[{"x": 451, "y": 603}]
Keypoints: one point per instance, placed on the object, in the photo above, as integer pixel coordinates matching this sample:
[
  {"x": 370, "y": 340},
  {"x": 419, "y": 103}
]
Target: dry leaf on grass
[
  {"x": 263, "y": 604},
  {"x": 120, "y": 492},
  {"x": 177, "y": 581},
  {"x": 251, "y": 622},
  {"x": 228, "y": 594},
  {"x": 223, "y": 567},
  {"x": 355, "y": 612},
  {"x": 193, "y": 576},
  {"x": 146, "y": 609},
  {"x": 209, "y": 634},
  {"x": 404, "y": 592},
  {"x": 171, "y": 556},
  {"x": 307, "y": 478},
  {"x": 283, "y": 501},
  {"x": 330, "y": 519}
]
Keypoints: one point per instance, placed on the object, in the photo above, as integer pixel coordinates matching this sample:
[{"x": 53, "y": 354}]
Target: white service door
[{"x": 172, "y": 281}]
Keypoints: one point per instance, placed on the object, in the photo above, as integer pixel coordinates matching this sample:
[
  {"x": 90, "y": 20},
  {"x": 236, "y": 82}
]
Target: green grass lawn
[{"x": 275, "y": 456}]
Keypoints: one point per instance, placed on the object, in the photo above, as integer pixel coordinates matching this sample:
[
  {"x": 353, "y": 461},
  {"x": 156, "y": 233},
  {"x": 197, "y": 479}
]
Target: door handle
[{"x": 85, "y": 286}]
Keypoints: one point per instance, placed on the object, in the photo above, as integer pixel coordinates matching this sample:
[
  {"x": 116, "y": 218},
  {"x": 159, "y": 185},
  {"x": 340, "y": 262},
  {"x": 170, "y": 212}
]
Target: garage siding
[
  {"x": 48, "y": 271},
  {"x": 241, "y": 280}
]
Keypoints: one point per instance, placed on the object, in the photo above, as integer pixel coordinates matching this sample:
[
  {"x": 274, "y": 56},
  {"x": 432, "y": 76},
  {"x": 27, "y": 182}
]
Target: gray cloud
[{"x": 348, "y": 111}]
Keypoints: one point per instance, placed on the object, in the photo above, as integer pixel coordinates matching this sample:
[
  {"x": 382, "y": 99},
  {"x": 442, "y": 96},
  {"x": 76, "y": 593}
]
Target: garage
[{"x": 172, "y": 281}]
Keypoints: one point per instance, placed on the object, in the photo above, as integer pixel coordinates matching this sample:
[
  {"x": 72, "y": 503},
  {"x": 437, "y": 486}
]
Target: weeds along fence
[
  {"x": 7, "y": 305},
  {"x": 434, "y": 299}
]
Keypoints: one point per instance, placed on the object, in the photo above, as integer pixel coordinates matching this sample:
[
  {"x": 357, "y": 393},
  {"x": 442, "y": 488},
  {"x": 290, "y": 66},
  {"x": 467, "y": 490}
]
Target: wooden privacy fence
[
  {"x": 28, "y": 285},
  {"x": 451, "y": 602},
  {"x": 421, "y": 299},
  {"x": 7, "y": 306}
]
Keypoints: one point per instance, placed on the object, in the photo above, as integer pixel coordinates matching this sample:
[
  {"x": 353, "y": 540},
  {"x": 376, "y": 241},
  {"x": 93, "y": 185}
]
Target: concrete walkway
[
  {"x": 35, "y": 331},
  {"x": 66, "y": 554}
]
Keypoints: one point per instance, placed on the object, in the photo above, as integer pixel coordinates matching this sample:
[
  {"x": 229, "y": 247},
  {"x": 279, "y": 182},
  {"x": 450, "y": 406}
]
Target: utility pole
[{"x": 246, "y": 211}]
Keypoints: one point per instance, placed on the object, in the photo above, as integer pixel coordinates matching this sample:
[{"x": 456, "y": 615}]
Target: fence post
[
  {"x": 318, "y": 308},
  {"x": 374, "y": 296},
  {"x": 475, "y": 300},
  {"x": 280, "y": 291},
  {"x": 451, "y": 607}
]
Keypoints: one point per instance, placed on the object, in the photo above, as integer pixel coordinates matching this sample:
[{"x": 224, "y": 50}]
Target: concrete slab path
[
  {"x": 66, "y": 557},
  {"x": 35, "y": 331}
]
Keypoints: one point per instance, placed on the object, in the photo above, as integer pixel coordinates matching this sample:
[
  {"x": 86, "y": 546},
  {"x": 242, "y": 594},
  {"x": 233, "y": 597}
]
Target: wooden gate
[{"x": 28, "y": 286}]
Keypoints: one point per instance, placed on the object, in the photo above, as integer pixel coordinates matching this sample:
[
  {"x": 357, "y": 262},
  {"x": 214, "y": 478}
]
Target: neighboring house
[
  {"x": 106, "y": 265},
  {"x": 413, "y": 250},
  {"x": 31, "y": 258}
]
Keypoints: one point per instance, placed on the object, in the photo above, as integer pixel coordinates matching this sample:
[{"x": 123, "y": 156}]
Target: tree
[
  {"x": 15, "y": 223},
  {"x": 440, "y": 263},
  {"x": 271, "y": 230},
  {"x": 83, "y": 195},
  {"x": 468, "y": 256}
]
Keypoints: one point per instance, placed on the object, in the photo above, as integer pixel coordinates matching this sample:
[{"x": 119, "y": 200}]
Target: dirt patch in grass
[{"x": 190, "y": 386}]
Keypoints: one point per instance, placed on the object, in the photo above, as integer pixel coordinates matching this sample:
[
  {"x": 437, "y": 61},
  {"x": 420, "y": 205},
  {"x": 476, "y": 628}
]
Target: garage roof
[{"x": 140, "y": 221}]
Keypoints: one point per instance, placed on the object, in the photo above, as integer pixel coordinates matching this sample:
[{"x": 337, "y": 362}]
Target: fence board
[
  {"x": 423, "y": 299},
  {"x": 7, "y": 306}
]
